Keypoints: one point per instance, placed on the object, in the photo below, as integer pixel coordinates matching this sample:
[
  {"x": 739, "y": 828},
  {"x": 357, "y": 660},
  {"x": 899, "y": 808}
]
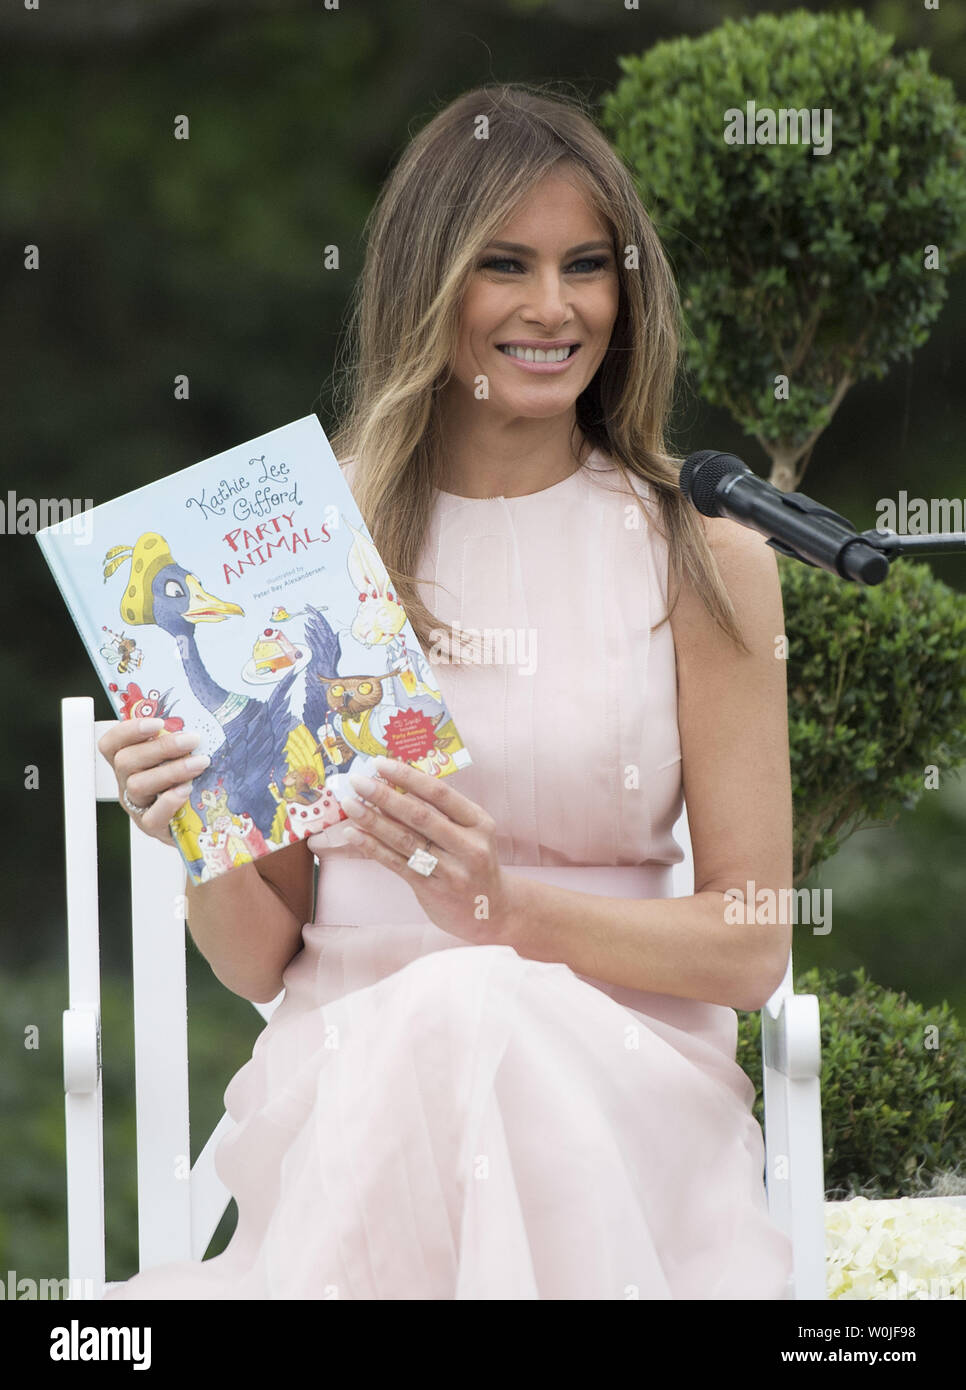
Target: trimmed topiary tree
[
  {"x": 816, "y": 268},
  {"x": 812, "y": 267},
  {"x": 876, "y": 698}
]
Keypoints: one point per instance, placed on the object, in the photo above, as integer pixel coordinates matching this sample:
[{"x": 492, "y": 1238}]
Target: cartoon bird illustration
[
  {"x": 256, "y": 732},
  {"x": 136, "y": 703},
  {"x": 264, "y": 740}
]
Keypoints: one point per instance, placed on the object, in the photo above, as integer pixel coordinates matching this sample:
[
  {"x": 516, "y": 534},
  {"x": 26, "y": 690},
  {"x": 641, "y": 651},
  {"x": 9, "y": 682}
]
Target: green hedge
[
  {"x": 876, "y": 697},
  {"x": 893, "y": 1079}
]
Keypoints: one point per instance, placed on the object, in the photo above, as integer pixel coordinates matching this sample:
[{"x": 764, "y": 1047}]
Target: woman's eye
[{"x": 594, "y": 262}]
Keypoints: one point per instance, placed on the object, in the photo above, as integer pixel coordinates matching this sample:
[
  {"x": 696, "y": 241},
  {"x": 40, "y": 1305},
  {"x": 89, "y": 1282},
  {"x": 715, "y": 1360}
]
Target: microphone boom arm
[
  {"x": 856, "y": 561},
  {"x": 720, "y": 484}
]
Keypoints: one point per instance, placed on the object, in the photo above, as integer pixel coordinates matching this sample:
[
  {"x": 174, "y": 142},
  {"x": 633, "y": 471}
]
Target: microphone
[{"x": 721, "y": 485}]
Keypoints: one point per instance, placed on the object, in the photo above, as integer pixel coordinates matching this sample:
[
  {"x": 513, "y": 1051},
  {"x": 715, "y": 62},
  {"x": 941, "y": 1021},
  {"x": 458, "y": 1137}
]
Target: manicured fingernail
[
  {"x": 197, "y": 763},
  {"x": 150, "y": 726},
  {"x": 186, "y": 740},
  {"x": 362, "y": 783}
]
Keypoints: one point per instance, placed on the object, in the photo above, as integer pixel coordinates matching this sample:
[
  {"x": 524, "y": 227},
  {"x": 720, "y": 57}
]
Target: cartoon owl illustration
[{"x": 353, "y": 698}]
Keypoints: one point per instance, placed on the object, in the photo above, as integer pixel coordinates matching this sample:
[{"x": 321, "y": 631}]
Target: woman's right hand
[{"x": 155, "y": 768}]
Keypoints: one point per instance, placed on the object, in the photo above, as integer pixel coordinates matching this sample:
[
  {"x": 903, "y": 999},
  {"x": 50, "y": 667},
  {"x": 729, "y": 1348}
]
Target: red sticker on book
[{"x": 410, "y": 735}]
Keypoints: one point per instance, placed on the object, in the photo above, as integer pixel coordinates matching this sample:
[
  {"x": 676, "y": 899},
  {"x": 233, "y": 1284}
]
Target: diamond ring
[
  {"x": 137, "y": 810},
  {"x": 422, "y": 861}
]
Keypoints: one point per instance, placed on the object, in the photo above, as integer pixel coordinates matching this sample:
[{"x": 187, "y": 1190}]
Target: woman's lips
[{"x": 546, "y": 368}]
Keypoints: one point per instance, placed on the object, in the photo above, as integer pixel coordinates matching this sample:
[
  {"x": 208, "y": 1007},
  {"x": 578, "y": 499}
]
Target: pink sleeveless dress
[{"x": 426, "y": 1119}]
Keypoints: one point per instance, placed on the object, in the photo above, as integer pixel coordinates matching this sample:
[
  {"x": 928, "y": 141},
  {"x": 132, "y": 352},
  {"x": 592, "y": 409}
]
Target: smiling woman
[
  {"x": 504, "y": 1066},
  {"x": 536, "y": 326}
]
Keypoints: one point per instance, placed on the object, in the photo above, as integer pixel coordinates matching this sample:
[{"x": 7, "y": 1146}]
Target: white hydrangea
[{"x": 903, "y": 1249}]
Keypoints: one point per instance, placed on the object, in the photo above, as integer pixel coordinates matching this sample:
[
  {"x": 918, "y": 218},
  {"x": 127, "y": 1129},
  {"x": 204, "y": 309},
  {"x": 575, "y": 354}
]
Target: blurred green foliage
[{"x": 897, "y": 897}]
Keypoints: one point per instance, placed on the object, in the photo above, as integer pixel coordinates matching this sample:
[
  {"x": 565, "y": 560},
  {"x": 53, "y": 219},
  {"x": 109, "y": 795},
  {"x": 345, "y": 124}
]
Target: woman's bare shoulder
[{"x": 748, "y": 567}]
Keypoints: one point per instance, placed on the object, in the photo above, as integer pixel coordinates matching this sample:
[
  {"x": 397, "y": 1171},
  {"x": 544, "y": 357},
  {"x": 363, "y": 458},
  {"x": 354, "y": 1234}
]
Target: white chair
[{"x": 180, "y": 1204}]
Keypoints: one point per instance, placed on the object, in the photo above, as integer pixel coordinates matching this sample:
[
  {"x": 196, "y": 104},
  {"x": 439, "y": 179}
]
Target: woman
[{"x": 557, "y": 1112}]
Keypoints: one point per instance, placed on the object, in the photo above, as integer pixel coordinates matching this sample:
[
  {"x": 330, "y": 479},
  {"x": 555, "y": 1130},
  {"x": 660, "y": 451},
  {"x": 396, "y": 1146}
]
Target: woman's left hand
[{"x": 467, "y": 894}]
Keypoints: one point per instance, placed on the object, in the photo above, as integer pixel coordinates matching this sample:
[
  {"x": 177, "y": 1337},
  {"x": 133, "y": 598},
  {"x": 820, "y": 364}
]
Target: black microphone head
[{"x": 702, "y": 472}]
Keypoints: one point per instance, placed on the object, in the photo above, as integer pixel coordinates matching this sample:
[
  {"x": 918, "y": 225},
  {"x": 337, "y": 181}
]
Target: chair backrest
[{"x": 179, "y": 1205}]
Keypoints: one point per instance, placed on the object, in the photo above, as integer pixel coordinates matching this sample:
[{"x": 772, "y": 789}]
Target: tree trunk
[{"x": 783, "y": 468}]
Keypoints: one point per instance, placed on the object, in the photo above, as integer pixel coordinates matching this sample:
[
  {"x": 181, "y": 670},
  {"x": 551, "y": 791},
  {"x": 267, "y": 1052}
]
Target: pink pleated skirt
[{"x": 426, "y": 1119}]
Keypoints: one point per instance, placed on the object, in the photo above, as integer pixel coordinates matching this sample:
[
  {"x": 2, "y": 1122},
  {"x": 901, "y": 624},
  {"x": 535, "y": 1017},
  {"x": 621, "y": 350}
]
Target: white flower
[{"x": 888, "y": 1249}]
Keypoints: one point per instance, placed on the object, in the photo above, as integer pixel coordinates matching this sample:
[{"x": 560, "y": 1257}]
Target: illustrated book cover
[{"x": 243, "y": 598}]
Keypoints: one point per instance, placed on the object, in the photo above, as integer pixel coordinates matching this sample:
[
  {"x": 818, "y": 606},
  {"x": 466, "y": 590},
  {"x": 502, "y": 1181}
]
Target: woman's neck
[{"x": 508, "y": 463}]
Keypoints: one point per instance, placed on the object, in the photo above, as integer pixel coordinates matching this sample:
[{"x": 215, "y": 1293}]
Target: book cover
[{"x": 242, "y": 598}]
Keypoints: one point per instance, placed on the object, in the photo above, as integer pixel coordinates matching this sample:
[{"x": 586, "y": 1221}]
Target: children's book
[{"x": 243, "y": 598}]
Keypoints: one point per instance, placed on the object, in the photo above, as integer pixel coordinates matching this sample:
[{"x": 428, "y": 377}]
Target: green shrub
[
  {"x": 876, "y": 695},
  {"x": 889, "y": 1098},
  {"x": 811, "y": 266}
]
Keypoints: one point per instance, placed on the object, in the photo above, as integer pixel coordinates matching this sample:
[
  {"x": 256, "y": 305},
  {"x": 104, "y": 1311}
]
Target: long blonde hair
[{"x": 448, "y": 196}]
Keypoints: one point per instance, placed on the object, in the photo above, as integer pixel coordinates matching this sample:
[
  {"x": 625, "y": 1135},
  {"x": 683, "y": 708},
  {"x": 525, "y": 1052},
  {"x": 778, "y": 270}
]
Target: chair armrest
[
  {"x": 791, "y": 1037},
  {"x": 82, "y": 1051}
]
